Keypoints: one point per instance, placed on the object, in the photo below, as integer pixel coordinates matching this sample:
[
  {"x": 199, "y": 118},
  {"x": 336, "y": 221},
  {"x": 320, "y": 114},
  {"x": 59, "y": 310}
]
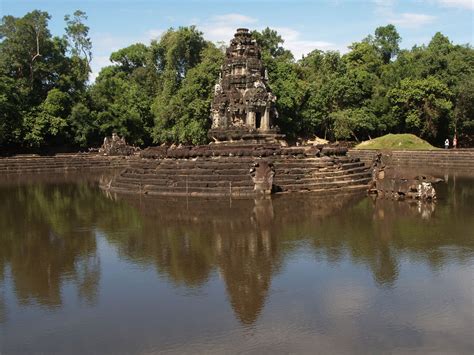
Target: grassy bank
[{"x": 396, "y": 142}]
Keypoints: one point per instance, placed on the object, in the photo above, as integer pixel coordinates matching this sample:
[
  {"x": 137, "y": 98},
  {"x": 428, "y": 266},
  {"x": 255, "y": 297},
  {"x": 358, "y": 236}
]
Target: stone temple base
[
  {"x": 242, "y": 136},
  {"x": 240, "y": 170}
]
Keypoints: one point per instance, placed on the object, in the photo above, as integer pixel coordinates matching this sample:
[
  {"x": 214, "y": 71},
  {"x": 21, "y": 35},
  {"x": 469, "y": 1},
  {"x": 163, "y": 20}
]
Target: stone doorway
[{"x": 258, "y": 119}]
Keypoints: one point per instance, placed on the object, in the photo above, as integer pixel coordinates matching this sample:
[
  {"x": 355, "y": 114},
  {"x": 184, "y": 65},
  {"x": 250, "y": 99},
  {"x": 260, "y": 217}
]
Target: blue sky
[{"x": 305, "y": 25}]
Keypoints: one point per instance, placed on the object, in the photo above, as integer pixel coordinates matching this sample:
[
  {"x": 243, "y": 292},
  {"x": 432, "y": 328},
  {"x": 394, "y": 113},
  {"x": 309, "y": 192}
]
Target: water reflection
[
  {"x": 41, "y": 250},
  {"x": 187, "y": 241},
  {"x": 47, "y": 241},
  {"x": 247, "y": 241},
  {"x": 51, "y": 234},
  {"x": 3, "y": 307}
]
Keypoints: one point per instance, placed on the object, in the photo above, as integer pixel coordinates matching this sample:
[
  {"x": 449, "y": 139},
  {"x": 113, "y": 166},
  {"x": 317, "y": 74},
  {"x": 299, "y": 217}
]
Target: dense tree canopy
[{"x": 161, "y": 92}]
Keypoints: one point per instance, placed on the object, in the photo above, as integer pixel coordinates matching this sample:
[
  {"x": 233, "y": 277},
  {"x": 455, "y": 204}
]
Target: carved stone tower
[{"x": 243, "y": 106}]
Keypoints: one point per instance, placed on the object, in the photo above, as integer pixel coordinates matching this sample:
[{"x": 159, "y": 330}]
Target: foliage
[
  {"x": 77, "y": 33},
  {"x": 40, "y": 82},
  {"x": 121, "y": 106},
  {"x": 464, "y": 110},
  {"x": 161, "y": 91},
  {"x": 387, "y": 41},
  {"x": 185, "y": 118},
  {"x": 423, "y": 107},
  {"x": 47, "y": 121},
  {"x": 189, "y": 68}
]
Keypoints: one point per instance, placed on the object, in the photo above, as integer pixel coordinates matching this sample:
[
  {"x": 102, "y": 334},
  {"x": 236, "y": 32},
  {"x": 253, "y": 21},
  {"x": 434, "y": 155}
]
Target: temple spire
[{"x": 242, "y": 100}]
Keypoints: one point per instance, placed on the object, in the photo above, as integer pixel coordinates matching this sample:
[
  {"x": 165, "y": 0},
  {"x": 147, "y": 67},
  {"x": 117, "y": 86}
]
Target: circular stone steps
[
  {"x": 23, "y": 164},
  {"x": 228, "y": 175}
]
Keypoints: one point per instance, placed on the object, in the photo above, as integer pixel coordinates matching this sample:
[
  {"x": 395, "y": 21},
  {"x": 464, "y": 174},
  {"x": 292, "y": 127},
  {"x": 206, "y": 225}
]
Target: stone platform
[
  {"x": 224, "y": 170},
  {"x": 32, "y": 164},
  {"x": 457, "y": 159}
]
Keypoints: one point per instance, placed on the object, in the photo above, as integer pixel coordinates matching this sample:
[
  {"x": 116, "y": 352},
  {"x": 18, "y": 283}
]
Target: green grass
[{"x": 396, "y": 142}]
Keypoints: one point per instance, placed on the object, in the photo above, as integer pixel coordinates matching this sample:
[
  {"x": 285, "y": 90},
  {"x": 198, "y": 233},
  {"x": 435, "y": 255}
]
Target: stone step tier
[
  {"x": 462, "y": 159},
  {"x": 230, "y": 175},
  {"x": 25, "y": 164}
]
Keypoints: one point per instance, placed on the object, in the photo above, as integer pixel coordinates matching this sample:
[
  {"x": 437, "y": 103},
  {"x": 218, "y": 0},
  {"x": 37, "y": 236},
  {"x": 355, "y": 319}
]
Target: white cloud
[
  {"x": 384, "y": 7},
  {"x": 463, "y": 4},
  {"x": 217, "y": 28},
  {"x": 106, "y": 43},
  {"x": 386, "y": 10},
  {"x": 153, "y": 34},
  {"x": 234, "y": 18},
  {"x": 222, "y": 28},
  {"x": 300, "y": 47},
  {"x": 97, "y": 63},
  {"x": 411, "y": 20}
]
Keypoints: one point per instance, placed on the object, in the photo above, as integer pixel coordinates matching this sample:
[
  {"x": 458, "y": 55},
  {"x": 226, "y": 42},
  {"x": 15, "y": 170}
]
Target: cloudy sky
[{"x": 305, "y": 25}]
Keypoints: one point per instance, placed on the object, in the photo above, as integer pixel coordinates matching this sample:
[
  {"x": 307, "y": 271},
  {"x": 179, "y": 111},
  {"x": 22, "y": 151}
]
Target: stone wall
[
  {"x": 203, "y": 171},
  {"x": 230, "y": 175},
  {"x": 459, "y": 159},
  {"x": 24, "y": 164}
]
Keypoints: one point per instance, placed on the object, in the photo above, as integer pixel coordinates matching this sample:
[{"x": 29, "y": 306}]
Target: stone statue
[
  {"x": 262, "y": 174},
  {"x": 215, "y": 118},
  {"x": 259, "y": 84},
  {"x": 116, "y": 145}
]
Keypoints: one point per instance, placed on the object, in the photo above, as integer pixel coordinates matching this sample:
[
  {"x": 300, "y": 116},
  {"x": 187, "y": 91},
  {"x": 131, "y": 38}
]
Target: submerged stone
[{"x": 387, "y": 181}]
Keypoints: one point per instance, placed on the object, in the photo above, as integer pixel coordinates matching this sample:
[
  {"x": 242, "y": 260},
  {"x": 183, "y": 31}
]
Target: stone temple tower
[{"x": 243, "y": 107}]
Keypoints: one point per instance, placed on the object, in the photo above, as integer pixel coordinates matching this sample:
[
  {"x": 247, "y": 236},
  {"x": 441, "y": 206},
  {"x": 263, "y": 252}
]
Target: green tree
[
  {"x": 387, "y": 41},
  {"x": 10, "y": 114},
  {"x": 130, "y": 58},
  {"x": 270, "y": 42},
  {"x": 121, "y": 106},
  {"x": 464, "y": 111},
  {"x": 77, "y": 33},
  {"x": 423, "y": 107},
  {"x": 41, "y": 82},
  {"x": 45, "y": 124},
  {"x": 177, "y": 52},
  {"x": 320, "y": 70},
  {"x": 353, "y": 123},
  {"x": 83, "y": 126},
  {"x": 28, "y": 54},
  {"x": 187, "y": 113}
]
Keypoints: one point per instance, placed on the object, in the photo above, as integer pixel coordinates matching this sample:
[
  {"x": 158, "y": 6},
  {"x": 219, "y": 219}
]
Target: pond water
[{"x": 85, "y": 272}]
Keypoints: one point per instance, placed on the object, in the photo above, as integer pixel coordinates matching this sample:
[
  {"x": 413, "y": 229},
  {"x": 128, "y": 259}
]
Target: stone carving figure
[
  {"x": 259, "y": 84},
  {"x": 262, "y": 174},
  {"x": 215, "y": 119},
  {"x": 116, "y": 145}
]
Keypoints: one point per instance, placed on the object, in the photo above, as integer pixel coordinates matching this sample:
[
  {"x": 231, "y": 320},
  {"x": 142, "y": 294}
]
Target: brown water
[{"x": 83, "y": 272}]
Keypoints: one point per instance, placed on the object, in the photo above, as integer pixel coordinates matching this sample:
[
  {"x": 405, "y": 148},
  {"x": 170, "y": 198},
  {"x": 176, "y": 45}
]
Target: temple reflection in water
[{"x": 246, "y": 242}]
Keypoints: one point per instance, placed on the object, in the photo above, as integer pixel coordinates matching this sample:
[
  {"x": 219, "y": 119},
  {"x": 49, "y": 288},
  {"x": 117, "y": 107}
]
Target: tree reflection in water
[
  {"x": 49, "y": 238},
  {"x": 44, "y": 249}
]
